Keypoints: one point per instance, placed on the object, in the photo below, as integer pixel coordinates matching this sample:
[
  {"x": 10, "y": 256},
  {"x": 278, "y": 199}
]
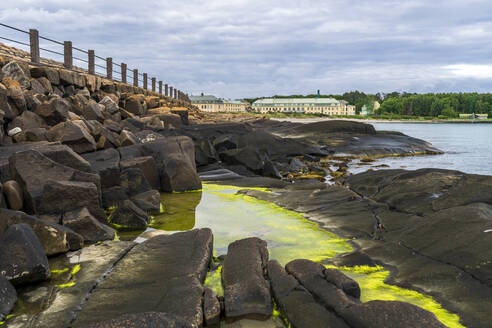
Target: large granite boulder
[
  {"x": 54, "y": 238},
  {"x": 33, "y": 172},
  {"x": 8, "y": 297},
  {"x": 134, "y": 181},
  {"x": 129, "y": 216},
  {"x": 23, "y": 258},
  {"x": 107, "y": 164},
  {"x": 82, "y": 222},
  {"x": 16, "y": 72},
  {"x": 175, "y": 159},
  {"x": 27, "y": 120},
  {"x": 54, "y": 111},
  {"x": 246, "y": 291},
  {"x": 148, "y": 167},
  {"x": 74, "y": 134}
]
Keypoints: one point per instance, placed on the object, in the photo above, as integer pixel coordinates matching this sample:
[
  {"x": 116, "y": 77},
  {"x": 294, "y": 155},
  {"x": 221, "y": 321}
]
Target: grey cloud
[{"x": 255, "y": 48}]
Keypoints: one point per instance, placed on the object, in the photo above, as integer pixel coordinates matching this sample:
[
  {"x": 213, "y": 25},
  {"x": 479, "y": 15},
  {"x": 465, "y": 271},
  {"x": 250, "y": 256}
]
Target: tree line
[{"x": 413, "y": 104}]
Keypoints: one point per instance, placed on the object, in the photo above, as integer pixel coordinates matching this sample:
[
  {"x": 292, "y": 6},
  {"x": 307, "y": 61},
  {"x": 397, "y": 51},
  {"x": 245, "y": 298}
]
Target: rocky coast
[{"x": 84, "y": 160}]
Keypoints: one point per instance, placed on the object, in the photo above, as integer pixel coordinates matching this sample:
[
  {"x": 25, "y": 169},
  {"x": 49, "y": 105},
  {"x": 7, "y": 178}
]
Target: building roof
[
  {"x": 230, "y": 101},
  {"x": 295, "y": 101},
  {"x": 205, "y": 99}
]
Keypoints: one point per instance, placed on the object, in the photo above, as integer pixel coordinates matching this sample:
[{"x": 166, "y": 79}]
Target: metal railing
[{"x": 96, "y": 65}]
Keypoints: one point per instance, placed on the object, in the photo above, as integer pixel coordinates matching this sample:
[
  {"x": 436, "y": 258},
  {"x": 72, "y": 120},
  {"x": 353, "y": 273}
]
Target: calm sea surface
[{"x": 467, "y": 147}]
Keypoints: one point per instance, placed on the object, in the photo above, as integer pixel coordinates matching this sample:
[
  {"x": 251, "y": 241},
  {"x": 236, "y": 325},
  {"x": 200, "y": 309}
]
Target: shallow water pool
[{"x": 289, "y": 235}]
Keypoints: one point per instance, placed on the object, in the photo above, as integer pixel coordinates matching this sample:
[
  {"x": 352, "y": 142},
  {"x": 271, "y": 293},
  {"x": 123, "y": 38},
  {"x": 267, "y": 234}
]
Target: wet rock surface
[
  {"x": 163, "y": 274},
  {"x": 246, "y": 291}
]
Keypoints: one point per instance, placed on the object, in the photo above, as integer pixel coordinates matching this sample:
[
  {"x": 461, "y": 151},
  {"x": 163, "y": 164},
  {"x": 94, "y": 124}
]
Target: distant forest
[{"x": 413, "y": 104}]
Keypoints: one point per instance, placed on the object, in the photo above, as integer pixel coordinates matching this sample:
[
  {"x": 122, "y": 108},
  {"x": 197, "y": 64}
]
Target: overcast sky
[{"x": 246, "y": 48}]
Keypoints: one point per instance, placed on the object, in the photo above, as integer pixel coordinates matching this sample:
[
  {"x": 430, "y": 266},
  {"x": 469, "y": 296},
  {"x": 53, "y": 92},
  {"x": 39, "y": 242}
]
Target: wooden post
[
  {"x": 160, "y": 87},
  {"x": 145, "y": 81},
  {"x": 170, "y": 91},
  {"x": 34, "y": 41},
  {"x": 67, "y": 54},
  {"x": 175, "y": 93},
  {"x": 135, "y": 77},
  {"x": 109, "y": 68},
  {"x": 153, "y": 84},
  {"x": 92, "y": 62},
  {"x": 166, "y": 90},
  {"x": 123, "y": 73}
]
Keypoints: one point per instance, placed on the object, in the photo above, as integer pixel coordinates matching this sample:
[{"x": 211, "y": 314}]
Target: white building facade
[{"x": 321, "y": 106}]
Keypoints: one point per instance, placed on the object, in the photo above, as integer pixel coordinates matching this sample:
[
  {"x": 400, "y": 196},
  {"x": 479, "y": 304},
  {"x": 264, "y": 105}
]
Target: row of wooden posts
[{"x": 165, "y": 89}]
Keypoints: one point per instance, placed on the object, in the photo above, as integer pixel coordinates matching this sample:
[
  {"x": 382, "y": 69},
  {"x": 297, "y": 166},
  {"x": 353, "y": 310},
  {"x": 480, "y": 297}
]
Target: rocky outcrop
[
  {"x": 246, "y": 291},
  {"x": 163, "y": 274}
]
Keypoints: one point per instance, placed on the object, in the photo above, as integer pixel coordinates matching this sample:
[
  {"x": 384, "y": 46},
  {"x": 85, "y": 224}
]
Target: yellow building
[
  {"x": 209, "y": 103},
  {"x": 322, "y": 106}
]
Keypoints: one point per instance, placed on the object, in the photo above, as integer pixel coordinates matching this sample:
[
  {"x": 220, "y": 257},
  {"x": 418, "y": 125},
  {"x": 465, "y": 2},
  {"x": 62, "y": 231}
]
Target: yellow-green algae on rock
[
  {"x": 371, "y": 281},
  {"x": 233, "y": 216}
]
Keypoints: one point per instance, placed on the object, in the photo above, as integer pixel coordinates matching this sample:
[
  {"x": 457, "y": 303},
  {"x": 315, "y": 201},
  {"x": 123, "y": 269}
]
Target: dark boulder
[
  {"x": 205, "y": 153},
  {"x": 297, "y": 304},
  {"x": 33, "y": 171},
  {"x": 74, "y": 134},
  {"x": 31, "y": 135},
  {"x": 50, "y": 73},
  {"x": 23, "y": 257},
  {"x": 114, "y": 196},
  {"x": 144, "y": 320},
  {"x": 134, "y": 181},
  {"x": 149, "y": 201},
  {"x": 128, "y": 216},
  {"x": 8, "y": 297},
  {"x": 175, "y": 159},
  {"x": 226, "y": 142},
  {"x": 82, "y": 222},
  {"x": 54, "y": 111},
  {"x": 63, "y": 196},
  {"x": 55, "y": 238},
  {"x": 107, "y": 164},
  {"x": 148, "y": 167},
  {"x": 246, "y": 291},
  {"x": 27, "y": 120}
]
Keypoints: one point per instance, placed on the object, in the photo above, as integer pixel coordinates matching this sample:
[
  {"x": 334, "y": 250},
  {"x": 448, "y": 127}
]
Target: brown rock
[
  {"x": 74, "y": 134},
  {"x": 13, "y": 193},
  {"x": 127, "y": 138}
]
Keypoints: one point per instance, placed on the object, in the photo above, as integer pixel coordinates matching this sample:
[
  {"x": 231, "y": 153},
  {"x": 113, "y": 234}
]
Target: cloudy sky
[{"x": 248, "y": 48}]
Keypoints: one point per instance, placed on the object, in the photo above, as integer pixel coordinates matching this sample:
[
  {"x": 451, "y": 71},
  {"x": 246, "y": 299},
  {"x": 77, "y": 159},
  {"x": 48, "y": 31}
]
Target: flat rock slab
[
  {"x": 144, "y": 320},
  {"x": 95, "y": 262},
  {"x": 162, "y": 274},
  {"x": 246, "y": 291}
]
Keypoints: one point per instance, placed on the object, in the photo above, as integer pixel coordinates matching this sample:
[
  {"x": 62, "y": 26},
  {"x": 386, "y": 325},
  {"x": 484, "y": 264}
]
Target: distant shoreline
[{"x": 311, "y": 119}]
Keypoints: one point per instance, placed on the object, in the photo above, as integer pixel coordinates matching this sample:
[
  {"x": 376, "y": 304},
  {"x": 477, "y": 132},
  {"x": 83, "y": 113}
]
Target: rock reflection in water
[{"x": 179, "y": 211}]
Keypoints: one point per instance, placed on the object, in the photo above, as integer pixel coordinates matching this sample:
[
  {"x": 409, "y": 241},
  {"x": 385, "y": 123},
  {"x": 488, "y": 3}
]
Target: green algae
[
  {"x": 214, "y": 281},
  {"x": 371, "y": 281},
  {"x": 289, "y": 235},
  {"x": 59, "y": 271}
]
